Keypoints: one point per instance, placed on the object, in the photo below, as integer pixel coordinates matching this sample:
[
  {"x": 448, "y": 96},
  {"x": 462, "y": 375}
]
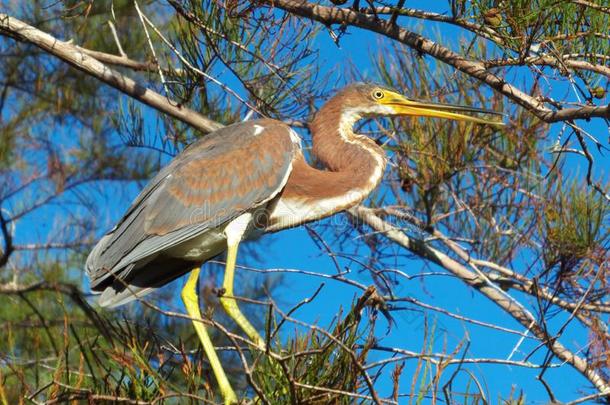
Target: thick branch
[
  {"x": 592, "y": 5},
  {"x": 476, "y": 69},
  {"x": 71, "y": 54},
  {"x": 490, "y": 34},
  {"x": 469, "y": 277}
]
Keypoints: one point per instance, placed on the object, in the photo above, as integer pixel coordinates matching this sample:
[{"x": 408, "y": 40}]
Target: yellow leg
[
  {"x": 191, "y": 302},
  {"x": 229, "y": 303},
  {"x": 234, "y": 233}
]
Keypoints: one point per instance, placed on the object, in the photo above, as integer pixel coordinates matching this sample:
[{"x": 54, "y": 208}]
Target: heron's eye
[{"x": 378, "y": 94}]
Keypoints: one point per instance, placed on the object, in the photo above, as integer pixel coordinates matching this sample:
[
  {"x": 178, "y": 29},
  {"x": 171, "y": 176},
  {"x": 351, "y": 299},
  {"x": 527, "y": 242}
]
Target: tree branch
[
  {"x": 476, "y": 69},
  {"x": 123, "y": 61},
  {"x": 14, "y": 28},
  {"x": 422, "y": 249},
  {"x": 559, "y": 63},
  {"x": 594, "y": 6},
  {"x": 521, "y": 282}
]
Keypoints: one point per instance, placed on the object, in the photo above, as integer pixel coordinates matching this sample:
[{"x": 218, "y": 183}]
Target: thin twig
[
  {"x": 116, "y": 39},
  {"x": 199, "y": 71},
  {"x": 151, "y": 46}
]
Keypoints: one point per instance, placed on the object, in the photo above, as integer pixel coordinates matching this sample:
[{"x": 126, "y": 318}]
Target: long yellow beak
[{"x": 404, "y": 106}]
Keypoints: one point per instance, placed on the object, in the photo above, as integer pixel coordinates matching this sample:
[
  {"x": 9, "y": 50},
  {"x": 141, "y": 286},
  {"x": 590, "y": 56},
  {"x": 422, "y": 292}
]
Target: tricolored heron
[{"x": 244, "y": 179}]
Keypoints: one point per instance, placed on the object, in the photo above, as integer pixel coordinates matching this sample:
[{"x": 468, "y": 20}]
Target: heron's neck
[
  {"x": 355, "y": 166},
  {"x": 355, "y": 163},
  {"x": 341, "y": 150}
]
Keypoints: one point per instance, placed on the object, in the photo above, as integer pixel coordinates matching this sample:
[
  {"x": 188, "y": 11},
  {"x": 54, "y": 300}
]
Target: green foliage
[
  {"x": 322, "y": 366},
  {"x": 574, "y": 227},
  {"x": 95, "y": 356},
  {"x": 565, "y": 26},
  {"x": 84, "y": 354},
  {"x": 527, "y": 28}
]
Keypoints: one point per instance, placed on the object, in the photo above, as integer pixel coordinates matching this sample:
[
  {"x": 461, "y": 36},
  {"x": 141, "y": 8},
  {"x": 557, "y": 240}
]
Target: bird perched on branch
[{"x": 242, "y": 180}]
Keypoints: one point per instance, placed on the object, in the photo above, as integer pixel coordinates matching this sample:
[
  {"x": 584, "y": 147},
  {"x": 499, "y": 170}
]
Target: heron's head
[{"x": 368, "y": 100}]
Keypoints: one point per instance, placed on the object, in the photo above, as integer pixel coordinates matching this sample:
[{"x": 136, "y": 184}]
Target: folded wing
[{"x": 234, "y": 170}]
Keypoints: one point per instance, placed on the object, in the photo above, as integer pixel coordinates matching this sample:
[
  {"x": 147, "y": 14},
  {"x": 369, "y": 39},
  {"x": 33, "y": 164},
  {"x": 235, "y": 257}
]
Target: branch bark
[{"x": 72, "y": 54}]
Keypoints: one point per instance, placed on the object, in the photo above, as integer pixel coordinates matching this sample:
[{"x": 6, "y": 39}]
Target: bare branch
[
  {"x": 592, "y": 5},
  {"x": 116, "y": 39},
  {"x": 550, "y": 61},
  {"x": 521, "y": 282},
  {"x": 437, "y": 358}
]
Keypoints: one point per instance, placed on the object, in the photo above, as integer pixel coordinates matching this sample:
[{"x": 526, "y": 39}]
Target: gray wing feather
[{"x": 235, "y": 169}]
